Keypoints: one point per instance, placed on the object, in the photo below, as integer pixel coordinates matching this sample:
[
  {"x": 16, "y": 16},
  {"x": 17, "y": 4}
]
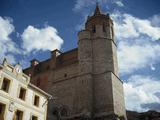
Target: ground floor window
[
  {"x": 2, "y": 111},
  {"x": 34, "y": 117},
  {"x": 18, "y": 115}
]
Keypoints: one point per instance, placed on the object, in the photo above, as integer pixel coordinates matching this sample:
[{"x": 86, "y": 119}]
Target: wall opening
[
  {"x": 94, "y": 29},
  {"x": 18, "y": 115},
  {"x": 34, "y": 117},
  {"x": 5, "y": 85},
  {"x": 104, "y": 29},
  {"x": 22, "y": 93},
  {"x": 2, "y": 111},
  {"x": 36, "y": 100}
]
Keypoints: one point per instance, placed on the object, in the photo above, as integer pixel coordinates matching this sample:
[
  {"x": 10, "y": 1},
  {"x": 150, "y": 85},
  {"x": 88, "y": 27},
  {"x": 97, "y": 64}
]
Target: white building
[{"x": 19, "y": 99}]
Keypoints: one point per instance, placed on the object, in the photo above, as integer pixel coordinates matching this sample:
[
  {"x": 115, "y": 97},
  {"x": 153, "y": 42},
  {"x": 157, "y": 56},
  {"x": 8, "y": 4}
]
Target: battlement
[{"x": 57, "y": 60}]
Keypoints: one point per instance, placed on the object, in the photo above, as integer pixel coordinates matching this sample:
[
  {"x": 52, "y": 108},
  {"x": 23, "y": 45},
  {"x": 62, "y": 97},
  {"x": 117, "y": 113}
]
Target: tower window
[
  {"x": 65, "y": 75},
  {"x": 94, "y": 29},
  {"x": 112, "y": 33},
  {"x": 22, "y": 93},
  {"x": 104, "y": 29},
  {"x": 48, "y": 67},
  {"x": 5, "y": 85},
  {"x": 36, "y": 100}
]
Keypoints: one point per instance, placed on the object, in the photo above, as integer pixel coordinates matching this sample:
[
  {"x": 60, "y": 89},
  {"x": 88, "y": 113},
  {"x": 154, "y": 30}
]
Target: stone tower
[
  {"x": 84, "y": 80},
  {"x": 101, "y": 94}
]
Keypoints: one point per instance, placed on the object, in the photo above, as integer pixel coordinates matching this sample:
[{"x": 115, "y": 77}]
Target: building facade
[
  {"x": 84, "y": 80},
  {"x": 19, "y": 99}
]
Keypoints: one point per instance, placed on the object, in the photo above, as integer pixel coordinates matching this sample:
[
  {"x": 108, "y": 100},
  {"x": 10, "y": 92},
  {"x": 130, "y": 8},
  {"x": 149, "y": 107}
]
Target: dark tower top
[
  {"x": 98, "y": 18},
  {"x": 97, "y": 10}
]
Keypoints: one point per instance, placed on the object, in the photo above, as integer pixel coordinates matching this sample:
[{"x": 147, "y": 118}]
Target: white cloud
[
  {"x": 132, "y": 57},
  {"x": 35, "y": 39},
  {"x": 136, "y": 42},
  {"x": 127, "y": 26},
  {"x": 6, "y": 28},
  {"x": 82, "y": 4},
  {"x": 152, "y": 67},
  {"x": 7, "y": 46},
  {"x": 155, "y": 20},
  {"x": 141, "y": 90},
  {"x": 119, "y": 3}
]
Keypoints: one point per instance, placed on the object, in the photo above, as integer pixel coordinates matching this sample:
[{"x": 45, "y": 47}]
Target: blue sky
[{"x": 32, "y": 28}]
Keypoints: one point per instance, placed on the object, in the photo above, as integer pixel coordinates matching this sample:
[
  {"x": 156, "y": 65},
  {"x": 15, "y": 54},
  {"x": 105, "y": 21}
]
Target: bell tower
[{"x": 100, "y": 91}]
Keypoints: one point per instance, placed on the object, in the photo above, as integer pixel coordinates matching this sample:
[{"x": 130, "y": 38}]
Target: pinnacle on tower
[{"x": 97, "y": 10}]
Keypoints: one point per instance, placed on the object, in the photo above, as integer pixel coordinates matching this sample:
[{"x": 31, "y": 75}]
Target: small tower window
[
  {"x": 47, "y": 68},
  {"x": 94, "y": 29},
  {"x": 112, "y": 33},
  {"x": 65, "y": 75},
  {"x": 104, "y": 29}
]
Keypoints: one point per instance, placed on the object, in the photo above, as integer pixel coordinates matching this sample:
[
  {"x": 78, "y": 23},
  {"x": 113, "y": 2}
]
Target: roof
[
  {"x": 55, "y": 62},
  {"x": 21, "y": 75},
  {"x": 97, "y": 10}
]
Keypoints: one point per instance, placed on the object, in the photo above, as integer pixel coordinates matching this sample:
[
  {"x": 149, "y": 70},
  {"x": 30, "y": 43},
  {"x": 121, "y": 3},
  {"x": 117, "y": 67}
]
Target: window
[
  {"x": 104, "y": 29},
  {"x": 36, "y": 100},
  {"x": 22, "y": 93},
  {"x": 65, "y": 75},
  {"x": 112, "y": 32},
  {"x": 18, "y": 115},
  {"x": 94, "y": 29},
  {"x": 5, "y": 85},
  {"x": 2, "y": 111},
  {"x": 34, "y": 117},
  {"x": 48, "y": 67}
]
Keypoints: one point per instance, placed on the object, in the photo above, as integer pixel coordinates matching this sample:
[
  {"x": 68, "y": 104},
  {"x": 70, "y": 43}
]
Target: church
[{"x": 84, "y": 81}]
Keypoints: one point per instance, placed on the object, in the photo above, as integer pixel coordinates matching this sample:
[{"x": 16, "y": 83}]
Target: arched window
[
  {"x": 104, "y": 29},
  {"x": 93, "y": 28},
  {"x": 112, "y": 32},
  {"x": 65, "y": 75},
  {"x": 48, "y": 67}
]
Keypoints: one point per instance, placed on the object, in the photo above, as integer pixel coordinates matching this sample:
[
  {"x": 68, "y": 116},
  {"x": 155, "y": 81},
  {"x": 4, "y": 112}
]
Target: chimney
[
  {"x": 34, "y": 62},
  {"x": 55, "y": 53}
]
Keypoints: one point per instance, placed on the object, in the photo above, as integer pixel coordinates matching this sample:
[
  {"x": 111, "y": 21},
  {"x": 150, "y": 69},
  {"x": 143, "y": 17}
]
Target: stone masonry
[{"x": 84, "y": 81}]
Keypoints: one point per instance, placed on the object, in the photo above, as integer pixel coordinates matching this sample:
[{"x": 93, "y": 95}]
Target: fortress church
[{"x": 84, "y": 81}]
